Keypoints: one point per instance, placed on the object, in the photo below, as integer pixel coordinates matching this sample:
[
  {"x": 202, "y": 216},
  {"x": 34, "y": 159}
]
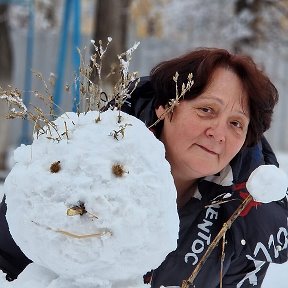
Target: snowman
[
  {"x": 91, "y": 201},
  {"x": 96, "y": 209}
]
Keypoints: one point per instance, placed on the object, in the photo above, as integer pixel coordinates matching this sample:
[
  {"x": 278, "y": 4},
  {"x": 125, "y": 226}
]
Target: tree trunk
[
  {"x": 111, "y": 20},
  {"x": 5, "y": 48},
  {"x": 254, "y": 7},
  {"x": 5, "y": 80}
]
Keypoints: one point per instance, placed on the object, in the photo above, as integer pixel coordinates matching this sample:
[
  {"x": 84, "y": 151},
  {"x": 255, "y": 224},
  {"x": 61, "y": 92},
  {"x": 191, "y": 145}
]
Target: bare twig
[
  {"x": 91, "y": 89},
  {"x": 91, "y": 93},
  {"x": 214, "y": 243},
  {"x": 222, "y": 259},
  {"x": 122, "y": 90},
  {"x": 74, "y": 235},
  {"x": 121, "y": 132},
  {"x": 175, "y": 102}
]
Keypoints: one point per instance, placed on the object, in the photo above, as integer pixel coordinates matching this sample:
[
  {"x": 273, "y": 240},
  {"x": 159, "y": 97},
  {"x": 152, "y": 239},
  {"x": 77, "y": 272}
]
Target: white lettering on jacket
[
  {"x": 282, "y": 242},
  {"x": 251, "y": 276},
  {"x": 204, "y": 235}
]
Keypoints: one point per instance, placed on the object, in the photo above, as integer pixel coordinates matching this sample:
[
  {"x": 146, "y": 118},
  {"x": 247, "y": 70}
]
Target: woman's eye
[
  {"x": 237, "y": 124},
  {"x": 206, "y": 109}
]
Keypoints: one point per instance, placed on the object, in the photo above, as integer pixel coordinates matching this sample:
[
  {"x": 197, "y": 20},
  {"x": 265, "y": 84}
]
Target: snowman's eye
[
  {"x": 118, "y": 170},
  {"x": 55, "y": 167}
]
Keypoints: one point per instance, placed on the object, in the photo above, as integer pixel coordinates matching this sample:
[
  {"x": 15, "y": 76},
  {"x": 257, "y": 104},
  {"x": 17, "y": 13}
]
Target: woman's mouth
[{"x": 207, "y": 150}]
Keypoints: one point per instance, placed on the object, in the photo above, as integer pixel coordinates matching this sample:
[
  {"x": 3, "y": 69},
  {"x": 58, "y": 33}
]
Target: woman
[{"x": 213, "y": 141}]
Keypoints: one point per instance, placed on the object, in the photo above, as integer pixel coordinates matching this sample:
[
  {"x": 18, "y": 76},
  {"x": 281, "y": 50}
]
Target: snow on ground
[{"x": 277, "y": 275}]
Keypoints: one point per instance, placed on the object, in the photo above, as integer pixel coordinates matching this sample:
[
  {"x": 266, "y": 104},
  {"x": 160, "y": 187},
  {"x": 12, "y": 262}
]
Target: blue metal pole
[
  {"x": 75, "y": 55},
  {"x": 25, "y": 139},
  {"x": 14, "y": 2},
  {"x": 61, "y": 57}
]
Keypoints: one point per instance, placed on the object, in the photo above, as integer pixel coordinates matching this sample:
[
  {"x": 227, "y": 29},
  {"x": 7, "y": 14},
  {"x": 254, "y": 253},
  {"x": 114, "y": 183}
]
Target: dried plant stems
[
  {"x": 122, "y": 90},
  {"x": 222, "y": 259},
  {"x": 99, "y": 234},
  {"x": 97, "y": 64},
  {"x": 119, "y": 133},
  {"x": 17, "y": 109},
  {"x": 91, "y": 87},
  {"x": 214, "y": 243},
  {"x": 175, "y": 102},
  {"x": 92, "y": 94},
  {"x": 77, "y": 236}
]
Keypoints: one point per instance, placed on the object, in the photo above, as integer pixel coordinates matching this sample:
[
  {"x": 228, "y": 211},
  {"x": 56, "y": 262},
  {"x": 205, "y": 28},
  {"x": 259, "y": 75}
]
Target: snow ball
[
  {"x": 267, "y": 183},
  {"x": 243, "y": 242}
]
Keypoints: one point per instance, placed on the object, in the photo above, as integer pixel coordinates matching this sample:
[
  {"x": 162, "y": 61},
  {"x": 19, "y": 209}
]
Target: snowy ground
[{"x": 277, "y": 275}]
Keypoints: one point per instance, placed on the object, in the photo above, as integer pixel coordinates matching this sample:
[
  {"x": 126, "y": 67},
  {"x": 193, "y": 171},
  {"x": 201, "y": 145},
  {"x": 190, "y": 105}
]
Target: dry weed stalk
[
  {"x": 48, "y": 98},
  {"x": 91, "y": 90},
  {"x": 78, "y": 236},
  {"x": 222, "y": 259},
  {"x": 17, "y": 109},
  {"x": 121, "y": 132},
  {"x": 92, "y": 94},
  {"x": 213, "y": 203},
  {"x": 172, "y": 103},
  {"x": 123, "y": 89},
  {"x": 15, "y": 103},
  {"x": 74, "y": 235},
  {"x": 215, "y": 242},
  {"x": 43, "y": 123}
]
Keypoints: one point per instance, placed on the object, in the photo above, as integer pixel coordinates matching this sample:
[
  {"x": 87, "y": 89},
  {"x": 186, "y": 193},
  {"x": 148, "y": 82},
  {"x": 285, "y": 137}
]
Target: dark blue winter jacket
[{"x": 258, "y": 237}]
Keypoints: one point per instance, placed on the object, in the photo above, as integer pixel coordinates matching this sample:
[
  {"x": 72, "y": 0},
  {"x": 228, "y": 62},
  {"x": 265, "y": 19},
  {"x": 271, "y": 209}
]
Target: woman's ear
[{"x": 160, "y": 112}]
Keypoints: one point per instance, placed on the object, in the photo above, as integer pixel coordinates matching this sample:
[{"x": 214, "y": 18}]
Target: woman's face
[{"x": 205, "y": 133}]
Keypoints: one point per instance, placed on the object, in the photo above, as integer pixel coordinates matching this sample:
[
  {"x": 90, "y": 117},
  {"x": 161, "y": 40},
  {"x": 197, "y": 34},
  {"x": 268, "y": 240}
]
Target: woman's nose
[{"x": 217, "y": 131}]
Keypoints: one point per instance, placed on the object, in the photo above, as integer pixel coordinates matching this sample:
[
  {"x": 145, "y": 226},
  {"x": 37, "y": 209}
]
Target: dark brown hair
[{"x": 262, "y": 94}]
